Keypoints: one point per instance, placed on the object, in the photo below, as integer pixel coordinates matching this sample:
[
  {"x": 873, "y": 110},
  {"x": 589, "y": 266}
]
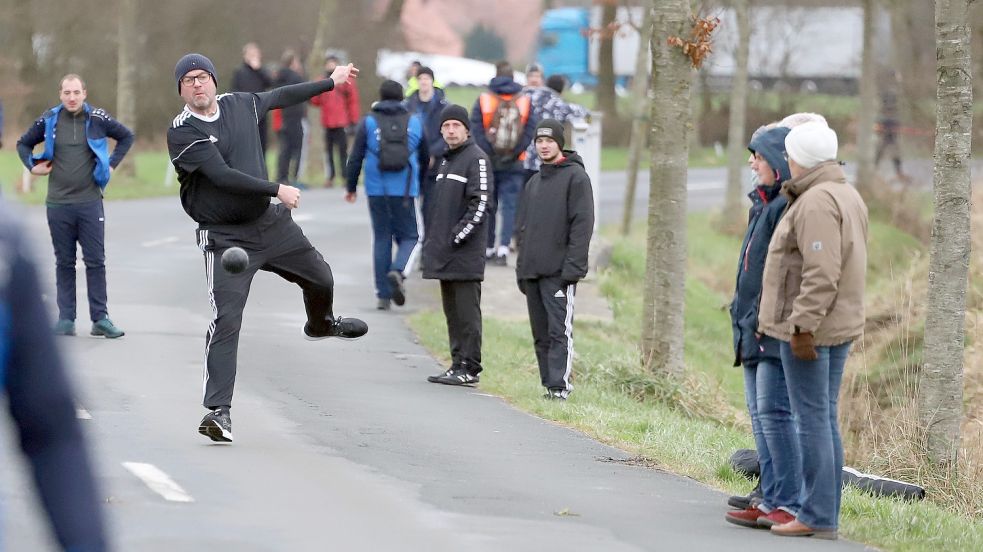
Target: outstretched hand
[{"x": 344, "y": 73}]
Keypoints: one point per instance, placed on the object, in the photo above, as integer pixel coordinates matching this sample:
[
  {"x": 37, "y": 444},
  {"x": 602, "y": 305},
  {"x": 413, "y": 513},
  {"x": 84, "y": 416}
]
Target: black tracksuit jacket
[
  {"x": 555, "y": 222},
  {"x": 454, "y": 241}
]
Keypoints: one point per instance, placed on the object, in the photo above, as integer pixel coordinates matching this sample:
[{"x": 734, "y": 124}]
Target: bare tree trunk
[
  {"x": 606, "y": 99},
  {"x": 736, "y": 133},
  {"x": 639, "y": 94},
  {"x": 665, "y": 263},
  {"x": 868, "y": 102},
  {"x": 941, "y": 385},
  {"x": 126, "y": 105}
]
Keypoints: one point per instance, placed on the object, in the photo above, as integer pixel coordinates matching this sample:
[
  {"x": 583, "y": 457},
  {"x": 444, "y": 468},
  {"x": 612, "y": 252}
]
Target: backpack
[
  {"x": 504, "y": 121},
  {"x": 393, "y": 134}
]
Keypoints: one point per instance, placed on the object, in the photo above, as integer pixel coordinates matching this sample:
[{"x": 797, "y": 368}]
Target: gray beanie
[{"x": 190, "y": 62}]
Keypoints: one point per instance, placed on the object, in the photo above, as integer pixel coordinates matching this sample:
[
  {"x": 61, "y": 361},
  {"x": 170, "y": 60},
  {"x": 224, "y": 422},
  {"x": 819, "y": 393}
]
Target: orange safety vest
[{"x": 488, "y": 103}]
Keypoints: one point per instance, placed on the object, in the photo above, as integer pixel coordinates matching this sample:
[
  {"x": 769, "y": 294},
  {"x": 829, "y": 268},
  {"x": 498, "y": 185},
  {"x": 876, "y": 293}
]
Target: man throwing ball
[{"x": 214, "y": 144}]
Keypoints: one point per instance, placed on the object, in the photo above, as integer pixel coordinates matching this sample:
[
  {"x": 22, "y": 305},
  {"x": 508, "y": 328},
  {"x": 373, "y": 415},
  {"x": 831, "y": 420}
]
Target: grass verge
[{"x": 618, "y": 404}]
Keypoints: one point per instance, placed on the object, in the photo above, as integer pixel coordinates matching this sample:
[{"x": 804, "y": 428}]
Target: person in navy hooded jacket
[
  {"x": 78, "y": 164},
  {"x": 764, "y": 376}
]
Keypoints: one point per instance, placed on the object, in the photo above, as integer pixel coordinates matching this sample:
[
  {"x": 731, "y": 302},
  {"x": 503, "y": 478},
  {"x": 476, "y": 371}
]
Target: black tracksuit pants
[
  {"x": 336, "y": 139},
  {"x": 550, "y": 302},
  {"x": 462, "y": 308},
  {"x": 288, "y": 162},
  {"x": 276, "y": 244}
]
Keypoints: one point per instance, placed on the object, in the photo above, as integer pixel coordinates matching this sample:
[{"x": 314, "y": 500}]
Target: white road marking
[
  {"x": 82, "y": 414},
  {"x": 162, "y": 241},
  {"x": 158, "y": 481}
]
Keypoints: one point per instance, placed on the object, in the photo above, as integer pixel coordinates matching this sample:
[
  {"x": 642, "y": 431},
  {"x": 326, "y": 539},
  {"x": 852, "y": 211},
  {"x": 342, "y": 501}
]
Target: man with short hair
[
  {"x": 502, "y": 122},
  {"x": 390, "y": 142},
  {"x": 251, "y": 77},
  {"x": 78, "y": 164},
  {"x": 555, "y": 223},
  {"x": 215, "y": 148},
  {"x": 453, "y": 245},
  {"x": 339, "y": 112}
]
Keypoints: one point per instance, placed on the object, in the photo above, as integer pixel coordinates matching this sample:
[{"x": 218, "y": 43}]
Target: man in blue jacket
[
  {"x": 390, "y": 142},
  {"x": 77, "y": 162},
  {"x": 41, "y": 402},
  {"x": 429, "y": 102}
]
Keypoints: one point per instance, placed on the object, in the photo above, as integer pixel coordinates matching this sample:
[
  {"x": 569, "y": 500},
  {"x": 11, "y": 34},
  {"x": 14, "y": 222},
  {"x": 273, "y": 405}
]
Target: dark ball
[{"x": 235, "y": 260}]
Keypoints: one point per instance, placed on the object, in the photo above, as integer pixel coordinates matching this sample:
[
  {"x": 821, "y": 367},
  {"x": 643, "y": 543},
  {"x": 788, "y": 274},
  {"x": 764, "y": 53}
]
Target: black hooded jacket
[
  {"x": 454, "y": 241},
  {"x": 555, "y": 221}
]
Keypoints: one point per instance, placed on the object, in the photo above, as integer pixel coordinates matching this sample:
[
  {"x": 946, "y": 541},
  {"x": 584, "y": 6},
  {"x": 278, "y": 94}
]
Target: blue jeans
[
  {"x": 779, "y": 436},
  {"x": 813, "y": 390},
  {"x": 70, "y": 226},
  {"x": 393, "y": 220},
  {"x": 508, "y": 184}
]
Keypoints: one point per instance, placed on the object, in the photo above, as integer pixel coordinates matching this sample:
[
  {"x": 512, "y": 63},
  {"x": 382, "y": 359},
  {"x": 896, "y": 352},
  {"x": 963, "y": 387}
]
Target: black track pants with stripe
[
  {"x": 462, "y": 308},
  {"x": 276, "y": 244},
  {"x": 550, "y": 303}
]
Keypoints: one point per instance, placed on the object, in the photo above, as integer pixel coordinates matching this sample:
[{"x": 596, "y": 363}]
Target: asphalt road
[{"x": 339, "y": 445}]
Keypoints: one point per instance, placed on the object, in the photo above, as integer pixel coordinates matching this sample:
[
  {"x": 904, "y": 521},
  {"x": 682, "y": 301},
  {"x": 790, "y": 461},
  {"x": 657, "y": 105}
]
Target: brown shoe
[
  {"x": 745, "y": 518},
  {"x": 776, "y": 517},
  {"x": 796, "y": 528}
]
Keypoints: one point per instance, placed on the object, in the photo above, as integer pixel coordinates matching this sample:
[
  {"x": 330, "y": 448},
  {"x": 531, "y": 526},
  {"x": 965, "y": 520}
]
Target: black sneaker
[
  {"x": 455, "y": 376},
  {"x": 556, "y": 395},
  {"x": 342, "y": 328},
  {"x": 217, "y": 425},
  {"x": 745, "y": 502},
  {"x": 396, "y": 284}
]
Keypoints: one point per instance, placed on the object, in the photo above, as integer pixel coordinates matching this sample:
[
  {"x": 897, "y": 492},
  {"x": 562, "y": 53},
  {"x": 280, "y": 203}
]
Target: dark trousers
[
  {"x": 550, "y": 303},
  {"x": 393, "y": 221},
  {"x": 276, "y": 244},
  {"x": 427, "y": 187},
  {"x": 462, "y": 308},
  {"x": 82, "y": 224},
  {"x": 336, "y": 139},
  {"x": 508, "y": 184},
  {"x": 288, "y": 163}
]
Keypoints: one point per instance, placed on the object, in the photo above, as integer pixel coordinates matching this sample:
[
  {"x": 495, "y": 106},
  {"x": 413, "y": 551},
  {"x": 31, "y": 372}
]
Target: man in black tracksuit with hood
[
  {"x": 554, "y": 226},
  {"x": 454, "y": 243}
]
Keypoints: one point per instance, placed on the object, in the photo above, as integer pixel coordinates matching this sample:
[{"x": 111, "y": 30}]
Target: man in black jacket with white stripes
[
  {"x": 454, "y": 243},
  {"x": 214, "y": 144},
  {"x": 554, "y": 225}
]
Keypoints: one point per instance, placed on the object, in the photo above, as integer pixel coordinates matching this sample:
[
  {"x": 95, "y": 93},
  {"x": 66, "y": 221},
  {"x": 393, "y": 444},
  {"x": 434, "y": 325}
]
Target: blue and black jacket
[
  {"x": 430, "y": 112},
  {"x": 41, "y": 401},
  {"x": 767, "y": 208},
  {"x": 365, "y": 149},
  {"x": 98, "y": 127}
]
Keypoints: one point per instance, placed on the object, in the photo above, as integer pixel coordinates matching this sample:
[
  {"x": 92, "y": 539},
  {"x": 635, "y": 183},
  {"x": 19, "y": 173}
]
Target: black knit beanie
[
  {"x": 552, "y": 129},
  {"x": 190, "y": 62},
  {"x": 391, "y": 90},
  {"x": 455, "y": 113}
]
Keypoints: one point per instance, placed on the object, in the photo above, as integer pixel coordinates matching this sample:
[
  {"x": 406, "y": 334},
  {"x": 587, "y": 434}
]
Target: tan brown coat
[{"x": 817, "y": 261}]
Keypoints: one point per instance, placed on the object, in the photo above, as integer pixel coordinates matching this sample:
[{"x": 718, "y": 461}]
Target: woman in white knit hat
[{"x": 813, "y": 301}]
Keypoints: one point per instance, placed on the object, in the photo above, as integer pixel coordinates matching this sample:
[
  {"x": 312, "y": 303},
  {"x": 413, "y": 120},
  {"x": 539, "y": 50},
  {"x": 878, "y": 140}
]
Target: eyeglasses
[{"x": 202, "y": 78}]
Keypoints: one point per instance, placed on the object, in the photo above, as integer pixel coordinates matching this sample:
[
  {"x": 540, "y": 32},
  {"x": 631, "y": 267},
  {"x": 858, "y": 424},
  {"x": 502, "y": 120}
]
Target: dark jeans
[
  {"x": 275, "y": 244},
  {"x": 774, "y": 435},
  {"x": 288, "y": 163},
  {"x": 336, "y": 139},
  {"x": 426, "y": 193},
  {"x": 393, "y": 221},
  {"x": 508, "y": 184},
  {"x": 550, "y": 303},
  {"x": 462, "y": 309},
  {"x": 813, "y": 391},
  {"x": 83, "y": 224}
]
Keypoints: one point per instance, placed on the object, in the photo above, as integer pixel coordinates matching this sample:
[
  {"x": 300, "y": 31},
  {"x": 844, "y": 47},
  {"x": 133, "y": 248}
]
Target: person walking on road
[
  {"x": 453, "y": 246},
  {"x": 215, "y": 148},
  {"x": 760, "y": 355},
  {"x": 252, "y": 77},
  {"x": 78, "y": 164},
  {"x": 502, "y": 124},
  {"x": 41, "y": 401},
  {"x": 291, "y": 133},
  {"x": 339, "y": 112},
  {"x": 813, "y": 302},
  {"x": 554, "y": 224},
  {"x": 389, "y": 142}
]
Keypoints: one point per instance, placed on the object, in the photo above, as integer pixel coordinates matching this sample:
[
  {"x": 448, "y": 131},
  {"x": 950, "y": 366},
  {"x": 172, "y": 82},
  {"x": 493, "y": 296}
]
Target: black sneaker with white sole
[
  {"x": 396, "y": 285},
  {"x": 556, "y": 394},
  {"x": 217, "y": 425},
  {"x": 342, "y": 328},
  {"x": 455, "y": 376}
]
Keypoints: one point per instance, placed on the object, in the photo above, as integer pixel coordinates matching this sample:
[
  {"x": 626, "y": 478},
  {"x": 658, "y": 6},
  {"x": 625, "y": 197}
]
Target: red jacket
[{"x": 339, "y": 107}]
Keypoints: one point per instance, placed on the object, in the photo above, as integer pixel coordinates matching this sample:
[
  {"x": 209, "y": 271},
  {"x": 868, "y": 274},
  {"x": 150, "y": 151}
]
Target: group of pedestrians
[{"x": 797, "y": 308}]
